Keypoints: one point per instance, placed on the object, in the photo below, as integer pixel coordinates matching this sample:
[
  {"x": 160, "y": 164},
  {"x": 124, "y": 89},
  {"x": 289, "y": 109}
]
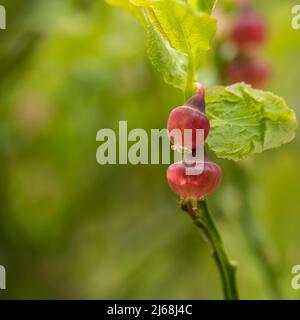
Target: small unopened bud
[{"x": 198, "y": 100}]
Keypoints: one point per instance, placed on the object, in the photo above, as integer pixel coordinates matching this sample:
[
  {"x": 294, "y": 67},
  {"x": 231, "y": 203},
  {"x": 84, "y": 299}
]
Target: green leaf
[
  {"x": 203, "y": 5},
  {"x": 177, "y": 37},
  {"x": 129, "y": 7},
  {"x": 246, "y": 121},
  {"x": 207, "y": 5},
  {"x": 168, "y": 61},
  {"x": 187, "y": 31}
]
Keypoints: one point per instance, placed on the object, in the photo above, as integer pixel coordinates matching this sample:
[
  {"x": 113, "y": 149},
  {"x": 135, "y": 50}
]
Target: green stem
[
  {"x": 189, "y": 88},
  {"x": 227, "y": 268}
]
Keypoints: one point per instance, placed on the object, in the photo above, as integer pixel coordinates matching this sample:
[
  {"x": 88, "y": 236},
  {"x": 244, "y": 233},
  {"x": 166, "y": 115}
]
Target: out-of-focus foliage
[{"x": 70, "y": 228}]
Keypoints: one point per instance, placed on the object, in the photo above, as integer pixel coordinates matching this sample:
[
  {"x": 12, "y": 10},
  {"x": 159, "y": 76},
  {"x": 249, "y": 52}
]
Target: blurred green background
[{"x": 70, "y": 228}]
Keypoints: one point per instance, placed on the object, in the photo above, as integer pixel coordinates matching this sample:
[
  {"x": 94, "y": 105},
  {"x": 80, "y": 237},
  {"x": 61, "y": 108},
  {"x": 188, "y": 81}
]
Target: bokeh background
[{"x": 70, "y": 228}]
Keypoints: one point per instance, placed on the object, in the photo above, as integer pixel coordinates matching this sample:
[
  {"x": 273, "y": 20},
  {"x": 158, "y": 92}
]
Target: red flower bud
[
  {"x": 193, "y": 187},
  {"x": 248, "y": 29},
  {"x": 186, "y": 117}
]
